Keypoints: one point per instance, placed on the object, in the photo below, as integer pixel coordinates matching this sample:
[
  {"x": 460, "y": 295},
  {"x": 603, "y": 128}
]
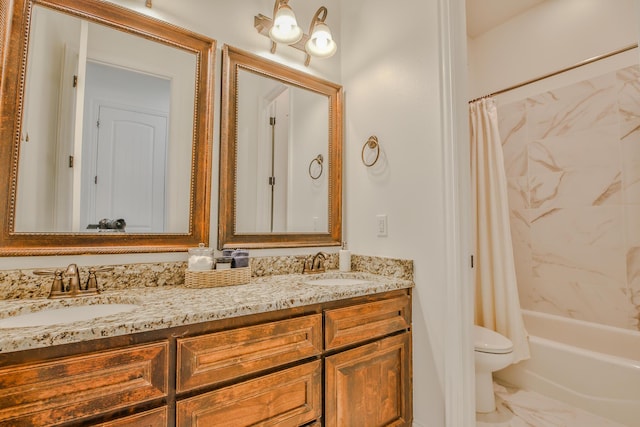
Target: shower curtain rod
[{"x": 555, "y": 73}]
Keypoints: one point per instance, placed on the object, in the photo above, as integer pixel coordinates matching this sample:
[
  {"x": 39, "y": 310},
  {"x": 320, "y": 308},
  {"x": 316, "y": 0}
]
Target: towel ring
[
  {"x": 319, "y": 160},
  {"x": 373, "y": 144}
]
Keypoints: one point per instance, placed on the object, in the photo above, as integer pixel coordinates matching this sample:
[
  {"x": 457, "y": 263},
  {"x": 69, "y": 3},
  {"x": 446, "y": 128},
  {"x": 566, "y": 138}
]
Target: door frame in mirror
[
  {"x": 233, "y": 60},
  {"x": 15, "y": 21}
]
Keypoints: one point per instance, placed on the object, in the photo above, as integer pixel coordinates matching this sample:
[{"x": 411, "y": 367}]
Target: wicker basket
[{"x": 214, "y": 278}]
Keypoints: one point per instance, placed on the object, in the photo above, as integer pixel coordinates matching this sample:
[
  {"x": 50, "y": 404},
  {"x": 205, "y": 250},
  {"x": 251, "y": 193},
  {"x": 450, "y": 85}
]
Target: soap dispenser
[{"x": 345, "y": 258}]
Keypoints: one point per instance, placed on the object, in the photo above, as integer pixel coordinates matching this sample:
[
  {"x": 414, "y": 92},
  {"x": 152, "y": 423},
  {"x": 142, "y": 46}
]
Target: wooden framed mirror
[
  {"x": 106, "y": 115},
  {"x": 280, "y": 156}
]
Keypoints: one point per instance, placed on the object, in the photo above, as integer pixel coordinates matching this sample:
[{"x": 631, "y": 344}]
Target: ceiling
[{"x": 482, "y": 15}]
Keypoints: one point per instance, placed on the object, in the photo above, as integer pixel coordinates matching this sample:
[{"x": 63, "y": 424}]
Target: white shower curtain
[{"x": 497, "y": 305}]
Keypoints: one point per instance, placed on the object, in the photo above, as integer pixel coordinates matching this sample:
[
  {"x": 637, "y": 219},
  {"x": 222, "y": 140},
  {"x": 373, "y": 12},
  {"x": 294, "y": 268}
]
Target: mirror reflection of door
[
  {"x": 280, "y": 129},
  {"x": 53, "y": 175},
  {"x": 273, "y": 164},
  {"x": 124, "y": 148}
]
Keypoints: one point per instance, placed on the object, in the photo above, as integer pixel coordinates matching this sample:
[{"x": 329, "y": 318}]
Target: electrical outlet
[{"x": 381, "y": 221}]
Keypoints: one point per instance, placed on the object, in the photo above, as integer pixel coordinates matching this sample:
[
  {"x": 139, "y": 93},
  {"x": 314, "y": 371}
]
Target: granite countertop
[{"x": 172, "y": 306}]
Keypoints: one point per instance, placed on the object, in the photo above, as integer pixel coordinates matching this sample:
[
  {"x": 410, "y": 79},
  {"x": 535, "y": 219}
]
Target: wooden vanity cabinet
[
  {"x": 370, "y": 385},
  {"x": 288, "y": 398},
  {"x": 342, "y": 363},
  {"x": 154, "y": 418},
  {"x": 211, "y": 359},
  {"x": 282, "y": 397},
  {"x": 74, "y": 388},
  {"x": 368, "y": 381}
]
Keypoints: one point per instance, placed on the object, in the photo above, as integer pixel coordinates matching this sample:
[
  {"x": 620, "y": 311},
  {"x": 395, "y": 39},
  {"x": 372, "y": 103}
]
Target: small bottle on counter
[
  {"x": 345, "y": 258},
  {"x": 223, "y": 263}
]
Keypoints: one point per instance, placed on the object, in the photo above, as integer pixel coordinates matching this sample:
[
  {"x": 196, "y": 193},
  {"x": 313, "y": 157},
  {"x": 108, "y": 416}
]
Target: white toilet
[{"x": 492, "y": 353}]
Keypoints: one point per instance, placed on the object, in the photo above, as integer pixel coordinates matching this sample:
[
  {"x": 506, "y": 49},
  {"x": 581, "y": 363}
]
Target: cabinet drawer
[
  {"x": 291, "y": 397},
  {"x": 355, "y": 324},
  {"x": 218, "y": 357},
  {"x": 77, "y": 387},
  {"x": 153, "y": 418}
]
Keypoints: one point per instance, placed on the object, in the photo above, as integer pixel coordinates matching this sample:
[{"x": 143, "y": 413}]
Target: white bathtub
[{"x": 587, "y": 365}]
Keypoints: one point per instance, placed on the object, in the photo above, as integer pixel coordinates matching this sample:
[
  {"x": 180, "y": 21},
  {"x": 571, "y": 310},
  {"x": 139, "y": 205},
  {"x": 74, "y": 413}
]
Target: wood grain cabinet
[
  {"x": 369, "y": 385},
  {"x": 288, "y": 398},
  {"x": 215, "y": 358},
  {"x": 78, "y": 387},
  {"x": 343, "y": 363},
  {"x": 154, "y": 418}
]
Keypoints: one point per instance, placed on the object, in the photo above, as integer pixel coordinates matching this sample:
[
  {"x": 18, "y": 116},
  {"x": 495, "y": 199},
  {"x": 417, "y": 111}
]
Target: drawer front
[
  {"x": 355, "y": 324},
  {"x": 77, "y": 387},
  {"x": 214, "y": 358},
  {"x": 291, "y": 397},
  {"x": 153, "y": 418}
]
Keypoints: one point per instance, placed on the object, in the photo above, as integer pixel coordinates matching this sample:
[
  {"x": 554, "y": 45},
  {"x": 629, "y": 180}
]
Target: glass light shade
[
  {"x": 321, "y": 44},
  {"x": 285, "y": 28}
]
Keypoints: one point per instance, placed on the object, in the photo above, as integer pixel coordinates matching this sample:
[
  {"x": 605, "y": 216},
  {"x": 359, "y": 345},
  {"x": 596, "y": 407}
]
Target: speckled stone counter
[{"x": 163, "y": 307}]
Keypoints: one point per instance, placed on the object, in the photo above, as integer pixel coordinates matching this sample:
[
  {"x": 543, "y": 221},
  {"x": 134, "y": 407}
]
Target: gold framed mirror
[
  {"x": 280, "y": 156},
  {"x": 106, "y": 132}
]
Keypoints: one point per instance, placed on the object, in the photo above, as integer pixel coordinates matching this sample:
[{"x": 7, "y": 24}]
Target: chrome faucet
[
  {"x": 315, "y": 263},
  {"x": 66, "y": 284}
]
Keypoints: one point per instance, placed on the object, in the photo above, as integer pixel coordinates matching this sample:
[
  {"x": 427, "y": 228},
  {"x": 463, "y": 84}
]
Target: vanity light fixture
[
  {"x": 320, "y": 43},
  {"x": 283, "y": 28}
]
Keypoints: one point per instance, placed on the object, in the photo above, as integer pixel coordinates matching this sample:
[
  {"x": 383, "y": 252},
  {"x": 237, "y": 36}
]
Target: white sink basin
[
  {"x": 338, "y": 281},
  {"x": 57, "y": 316}
]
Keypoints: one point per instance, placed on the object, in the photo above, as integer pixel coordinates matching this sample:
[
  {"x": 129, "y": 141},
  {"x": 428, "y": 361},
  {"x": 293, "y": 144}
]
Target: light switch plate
[{"x": 381, "y": 221}]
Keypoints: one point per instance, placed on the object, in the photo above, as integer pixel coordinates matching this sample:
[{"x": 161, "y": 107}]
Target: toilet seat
[{"x": 488, "y": 341}]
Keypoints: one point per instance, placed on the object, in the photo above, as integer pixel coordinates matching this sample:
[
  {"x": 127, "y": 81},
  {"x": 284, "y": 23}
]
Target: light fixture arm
[
  {"x": 317, "y": 18},
  {"x": 264, "y": 26}
]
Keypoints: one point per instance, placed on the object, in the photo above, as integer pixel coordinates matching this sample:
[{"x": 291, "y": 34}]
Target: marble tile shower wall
[{"x": 572, "y": 158}]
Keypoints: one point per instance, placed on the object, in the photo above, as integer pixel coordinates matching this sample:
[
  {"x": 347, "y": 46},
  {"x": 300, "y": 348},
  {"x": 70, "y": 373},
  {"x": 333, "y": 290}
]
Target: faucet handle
[
  {"x": 92, "y": 281},
  {"x": 57, "y": 285},
  {"x": 307, "y": 264}
]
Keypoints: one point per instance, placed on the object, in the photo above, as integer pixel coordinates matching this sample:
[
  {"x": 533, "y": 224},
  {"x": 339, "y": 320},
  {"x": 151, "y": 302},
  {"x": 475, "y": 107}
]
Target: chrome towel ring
[
  {"x": 319, "y": 160},
  {"x": 372, "y": 144}
]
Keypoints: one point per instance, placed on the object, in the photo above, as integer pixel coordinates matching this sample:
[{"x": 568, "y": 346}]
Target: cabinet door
[
  {"x": 291, "y": 397},
  {"x": 370, "y": 386},
  {"x": 77, "y": 387}
]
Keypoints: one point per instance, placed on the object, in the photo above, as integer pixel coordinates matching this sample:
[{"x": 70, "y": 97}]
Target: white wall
[
  {"x": 391, "y": 77},
  {"x": 39, "y": 166},
  {"x": 546, "y": 38},
  {"x": 309, "y": 138}
]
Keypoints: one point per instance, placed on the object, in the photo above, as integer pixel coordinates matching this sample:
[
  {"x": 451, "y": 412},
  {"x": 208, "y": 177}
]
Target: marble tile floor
[{"x": 522, "y": 408}]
